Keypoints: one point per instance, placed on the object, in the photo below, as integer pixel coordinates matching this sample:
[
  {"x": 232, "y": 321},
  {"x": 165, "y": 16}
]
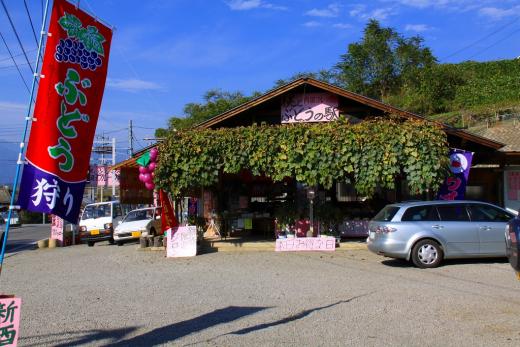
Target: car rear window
[
  {"x": 386, "y": 214},
  {"x": 420, "y": 213}
]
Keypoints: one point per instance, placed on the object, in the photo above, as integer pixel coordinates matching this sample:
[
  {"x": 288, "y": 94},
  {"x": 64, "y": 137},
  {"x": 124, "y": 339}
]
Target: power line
[
  {"x": 6, "y": 67},
  {"x": 17, "y": 36},
  {"x": 30, "y": 21},
  {"x": 481, "y": 39},
  {"x": 14, "y": 61},
  {"x": 17, "y": 55},
  {"x": 135, "y": 126},
  {"x": 496, "y": 43}
]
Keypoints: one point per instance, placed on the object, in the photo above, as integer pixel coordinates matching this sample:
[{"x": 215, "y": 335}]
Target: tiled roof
[{"x": 505, "y": 132}]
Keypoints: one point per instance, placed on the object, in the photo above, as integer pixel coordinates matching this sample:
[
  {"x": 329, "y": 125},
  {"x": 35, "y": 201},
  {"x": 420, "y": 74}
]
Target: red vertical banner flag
[
  {"x": 168, "y": 219},
  {"x": 67, "y": 107}
]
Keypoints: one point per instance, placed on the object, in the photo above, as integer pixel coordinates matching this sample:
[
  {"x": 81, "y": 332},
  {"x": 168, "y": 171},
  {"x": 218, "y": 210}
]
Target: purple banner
[
  {"x": 454, "y": 187},
  {"x": 50, "y": 194}
]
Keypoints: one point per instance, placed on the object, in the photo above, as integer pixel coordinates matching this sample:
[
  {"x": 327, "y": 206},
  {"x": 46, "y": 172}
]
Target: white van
[{"x": 98, "y": 220}]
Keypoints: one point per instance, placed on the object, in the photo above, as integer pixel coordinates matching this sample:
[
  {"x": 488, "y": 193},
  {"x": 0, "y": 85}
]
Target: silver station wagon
[{"x": 426, "y": 232}]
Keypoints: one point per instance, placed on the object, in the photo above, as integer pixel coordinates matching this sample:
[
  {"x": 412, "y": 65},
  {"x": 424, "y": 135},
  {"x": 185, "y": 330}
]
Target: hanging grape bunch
[
  {"x": 83, "y": 46},
  {"x": 147, "y": 163},
  {"x": 74, "y": 51}
]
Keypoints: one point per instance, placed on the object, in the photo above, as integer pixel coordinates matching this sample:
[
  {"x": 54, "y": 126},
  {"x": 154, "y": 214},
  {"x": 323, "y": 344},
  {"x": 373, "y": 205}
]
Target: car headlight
[
  {"x": 82, "y": 228},
  {"x": 108, "y": 226}
]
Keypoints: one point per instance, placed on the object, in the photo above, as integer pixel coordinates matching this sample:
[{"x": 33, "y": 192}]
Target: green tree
[
  {"x": 322, "y": 75},
  {"x": 382, "y": 62},
  {"x": 215, "y": 102}
]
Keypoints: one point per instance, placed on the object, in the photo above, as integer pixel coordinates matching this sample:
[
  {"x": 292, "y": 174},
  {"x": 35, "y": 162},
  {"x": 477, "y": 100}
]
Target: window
[
  {"x": 453, "y": 213},
  {"x": 420, "y": 213},
  {"x": 485, "y": 213},
  {"x": 346, "y": 192},
  {"x": 386, "y": 214}
]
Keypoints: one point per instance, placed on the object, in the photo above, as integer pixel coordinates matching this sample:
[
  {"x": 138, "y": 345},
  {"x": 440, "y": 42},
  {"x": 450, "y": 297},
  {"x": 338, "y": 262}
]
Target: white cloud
[
  {"x": 132, "y": 85},
  {"x": 342, "y": 26},
  {"x": 417, "y": 27},
  {"x": 330, "y": 11},
  {"x": 498, "y": 13},
  {"x": 244, "y": 5},
  {"x": 361, "y": 12},
  {"x": 201, "y": 50},
  {"x": 381, "y": 13},
  {"x": 12, "y": 106},
  {"x": 312, "y": 24},
  {"x": 425, "y": 3},
  {"x": 357, "y": 10}
]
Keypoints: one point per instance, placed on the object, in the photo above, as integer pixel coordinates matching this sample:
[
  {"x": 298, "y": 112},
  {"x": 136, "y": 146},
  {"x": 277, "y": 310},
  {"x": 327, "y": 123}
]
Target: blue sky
[{"x": 166, "y": 53}]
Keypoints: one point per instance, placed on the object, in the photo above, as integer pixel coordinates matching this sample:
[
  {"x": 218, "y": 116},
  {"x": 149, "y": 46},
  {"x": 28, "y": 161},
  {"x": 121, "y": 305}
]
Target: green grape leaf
[
  {"x": 92, "y": 39},
  {"x": 71, "y": 24}
]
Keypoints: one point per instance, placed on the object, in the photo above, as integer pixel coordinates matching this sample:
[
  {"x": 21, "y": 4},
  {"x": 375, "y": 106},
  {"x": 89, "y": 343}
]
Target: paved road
[
  {"x": 24, "y": 237},
  {"x": 110, "y": 295}
]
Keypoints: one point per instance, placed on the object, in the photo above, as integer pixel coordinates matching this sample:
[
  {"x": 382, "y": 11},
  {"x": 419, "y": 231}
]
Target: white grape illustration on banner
[{"x": 84, "y": 46}]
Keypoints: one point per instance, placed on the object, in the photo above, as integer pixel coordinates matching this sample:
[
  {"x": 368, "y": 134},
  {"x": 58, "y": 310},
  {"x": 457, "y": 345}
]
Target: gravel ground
[{"x": 109, "y": 295}]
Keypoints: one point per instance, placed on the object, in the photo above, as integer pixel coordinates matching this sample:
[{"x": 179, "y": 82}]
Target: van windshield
[{"x": 96, "y": 211}]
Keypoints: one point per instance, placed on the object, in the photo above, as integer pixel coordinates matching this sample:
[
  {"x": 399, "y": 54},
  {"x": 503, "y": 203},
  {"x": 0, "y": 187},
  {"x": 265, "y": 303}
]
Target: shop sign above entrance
[{"x": 310, "y": 107}]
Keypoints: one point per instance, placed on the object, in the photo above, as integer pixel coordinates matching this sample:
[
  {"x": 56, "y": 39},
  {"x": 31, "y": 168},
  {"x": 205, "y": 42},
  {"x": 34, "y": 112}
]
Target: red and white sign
[
  {"x": 183, "y": 242},
  {"x": 70, "y": 91},
  {"x": 327, "y": 243},
  {"x": 101, "y": 176},
  {"x": 10, "y": 308},
  {"x": 57, "y": 228},
  {"x": 310, "y": 107}
]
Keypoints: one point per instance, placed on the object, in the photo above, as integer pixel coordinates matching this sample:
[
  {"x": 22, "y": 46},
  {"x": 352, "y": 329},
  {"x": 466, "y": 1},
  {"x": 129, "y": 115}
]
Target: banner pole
[{"x": 28, "y": 119}]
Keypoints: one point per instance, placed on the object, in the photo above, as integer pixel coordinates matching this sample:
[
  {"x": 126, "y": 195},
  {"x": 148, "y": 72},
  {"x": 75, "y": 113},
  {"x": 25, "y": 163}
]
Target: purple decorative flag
[{"x": 454, "y": 187}]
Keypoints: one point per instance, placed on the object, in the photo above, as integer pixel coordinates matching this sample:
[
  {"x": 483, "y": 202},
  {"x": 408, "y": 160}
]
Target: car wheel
[
  {"x": 427, "y": 254},
  {"x": 119, "y": 243},
  {"x": 111, "y": 241},
  {"x": 90, "y": 244}
]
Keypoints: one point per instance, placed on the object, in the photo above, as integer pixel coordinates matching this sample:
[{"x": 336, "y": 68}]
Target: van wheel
[
  {"x": 90, "y": 244},
  {"x": 427, "y": 254},
  {"x": 111, "y": 241},
  {"x": 119, "y": 243}
]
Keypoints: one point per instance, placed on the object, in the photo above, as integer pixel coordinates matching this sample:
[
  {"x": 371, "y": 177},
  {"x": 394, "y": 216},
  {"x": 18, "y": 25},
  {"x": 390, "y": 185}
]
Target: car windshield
[
  {"x": 96, "y": 211},
  {"x": 386, "y": 214},
  {"x": 138, "y": 215}
]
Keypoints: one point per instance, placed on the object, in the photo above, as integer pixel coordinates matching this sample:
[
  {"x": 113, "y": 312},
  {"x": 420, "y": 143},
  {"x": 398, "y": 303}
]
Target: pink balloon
[
  {"x": 152, "y": 174},
  {"x": 151, "y": 166},
  {"x": 153, "y": 154},
  {"x": 143, "y": 169},
  {"x": 149, "y": 185},
  {"x": 141, "y": 177},
  {"x": 147, "y": 178}
]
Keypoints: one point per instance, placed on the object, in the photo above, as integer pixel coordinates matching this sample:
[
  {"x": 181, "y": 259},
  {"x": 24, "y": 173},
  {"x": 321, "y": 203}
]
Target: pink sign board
[
  {"x": 306, "y": 244},
  {"x": 310, "y": 107},
  {"x": 101, "y": 176},
  {"x": 57, "y": 227},
  {"x": 9, "y": 320},
  {"x": 183, "y": 242}
]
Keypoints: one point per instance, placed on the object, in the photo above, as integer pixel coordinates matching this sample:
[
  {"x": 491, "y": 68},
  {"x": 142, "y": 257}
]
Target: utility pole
[
  {"x": 130, "y": 138},
  {"x": 114, "y": 163}
]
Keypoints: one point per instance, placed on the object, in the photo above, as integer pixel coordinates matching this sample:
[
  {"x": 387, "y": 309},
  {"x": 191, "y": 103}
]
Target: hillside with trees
[{"x": 400, "y": 71}]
